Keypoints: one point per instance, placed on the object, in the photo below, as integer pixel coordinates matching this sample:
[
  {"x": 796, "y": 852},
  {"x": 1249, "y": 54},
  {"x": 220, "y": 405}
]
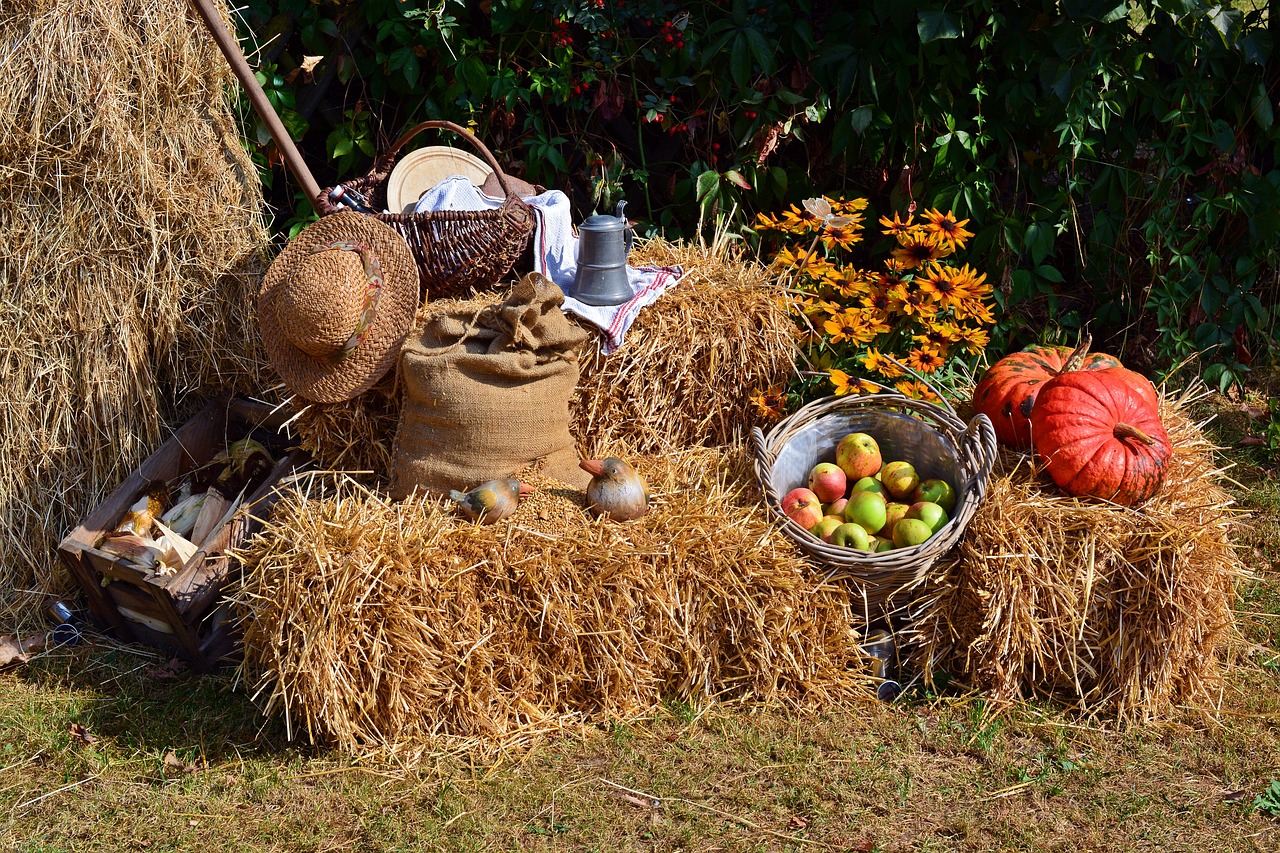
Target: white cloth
[{"x": 556, "y": 252}]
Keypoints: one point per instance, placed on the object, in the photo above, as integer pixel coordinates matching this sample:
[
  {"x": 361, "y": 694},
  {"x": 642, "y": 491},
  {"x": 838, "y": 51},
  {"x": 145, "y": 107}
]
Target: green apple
[
  {"x": 900, "y": 479},
  {"x": 869, "y": 484},
  {"x": 884, "y": 545},
  {"x": 910, "y": 532},
  {"x": 866, "y": 509},
  {"x": 930, "y": 513},
  {"x": 824, "y": 528},
  {"x": 851, "y": 535},
  {"x": 936, "y": 491}
]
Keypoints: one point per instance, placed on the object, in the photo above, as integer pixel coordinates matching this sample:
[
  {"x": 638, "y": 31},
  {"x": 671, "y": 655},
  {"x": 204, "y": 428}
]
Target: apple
[
  {"x": 858, "y": 455},
  {"x": 851, "y": 535},
  {"x": 936, "y": 491},
  {"x": 885, "y": 545},
  {"x": 835, "y": 507},
  {"x": 900, "y": 479},
  {"x": 866, "y": 509},
  {"x": 910, "y": 532},
  {"x": 827, "y": 481},
  {"x": 893, "y": 513},
  {"x": 825, "y": 526},
  {"x": 930, "y": 513},
  {"x": 803, "y": 507},
  {"x": 868, "y": 484}
]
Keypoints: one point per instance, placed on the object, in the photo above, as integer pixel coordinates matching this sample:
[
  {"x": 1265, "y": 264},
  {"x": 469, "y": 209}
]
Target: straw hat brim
[{"x": 318, "y": 379}]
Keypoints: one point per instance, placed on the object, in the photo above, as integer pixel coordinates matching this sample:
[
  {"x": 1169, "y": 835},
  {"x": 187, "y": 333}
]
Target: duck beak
[
  {"x": 594, "y": 467},
  {"x": 526, "y": 489}
]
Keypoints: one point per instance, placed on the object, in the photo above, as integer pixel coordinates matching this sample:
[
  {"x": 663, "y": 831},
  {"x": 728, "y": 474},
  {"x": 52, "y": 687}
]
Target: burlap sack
[{"x": 487, "y": 394}]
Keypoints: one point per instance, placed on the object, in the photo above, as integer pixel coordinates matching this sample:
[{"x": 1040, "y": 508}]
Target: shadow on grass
[{"x": 132, "y": 696}]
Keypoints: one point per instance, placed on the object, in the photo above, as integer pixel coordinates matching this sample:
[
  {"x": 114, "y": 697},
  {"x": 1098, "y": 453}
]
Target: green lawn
[{"x": 184, "y": 762}]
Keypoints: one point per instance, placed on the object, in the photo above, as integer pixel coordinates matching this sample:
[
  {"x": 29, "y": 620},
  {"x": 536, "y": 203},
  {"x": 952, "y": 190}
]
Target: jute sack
[{"x": 487, "y": 394}]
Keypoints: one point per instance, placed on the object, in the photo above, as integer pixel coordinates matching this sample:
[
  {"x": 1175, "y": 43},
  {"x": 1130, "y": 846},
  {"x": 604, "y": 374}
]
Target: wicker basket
[
  {"x": 456, "y": 250},
  {"x": 932, "y": 438}
]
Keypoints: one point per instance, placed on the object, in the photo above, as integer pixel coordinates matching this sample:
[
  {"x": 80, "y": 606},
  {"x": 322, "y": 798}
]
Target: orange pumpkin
[
  {"x": 1008, "y": 389},
  {"x": 1099, "y": 434}
]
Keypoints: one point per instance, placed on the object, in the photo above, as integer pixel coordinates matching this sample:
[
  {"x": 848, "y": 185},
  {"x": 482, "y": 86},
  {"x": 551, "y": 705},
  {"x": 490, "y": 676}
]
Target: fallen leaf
[
  {"x": 81, "y": 734},
  {"x": 173, "y": 763},
  {"x": 1237, "y": 796},
  {"x": 15, "y": 651},
  {"x": 797, "y": 822},
  {"x": 1252, "y": 441},
  {"x": 309, "y": 63},
  {"x": 1254, "y": 412}
]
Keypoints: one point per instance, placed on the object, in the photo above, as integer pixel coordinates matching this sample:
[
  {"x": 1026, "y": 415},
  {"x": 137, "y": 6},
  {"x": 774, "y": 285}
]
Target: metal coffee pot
[{"x": 603, "y": 244}]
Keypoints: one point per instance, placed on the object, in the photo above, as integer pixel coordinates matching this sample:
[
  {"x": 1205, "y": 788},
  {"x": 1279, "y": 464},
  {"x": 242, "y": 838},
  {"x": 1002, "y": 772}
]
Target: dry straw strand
[{"x": 133, "y": 239}]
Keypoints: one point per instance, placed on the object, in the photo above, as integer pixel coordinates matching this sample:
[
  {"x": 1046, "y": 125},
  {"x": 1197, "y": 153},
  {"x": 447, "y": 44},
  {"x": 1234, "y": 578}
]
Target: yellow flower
[
  {"x": 946, "y": 229},
  {"x": 849, "y": 207},
  {"x": 915, "y": 390},
  {"x": 851, "y": 281},
  {"x": 846, "y": 384},
  {"x": 882, "y": 302},
  {"x": 924, "y": 360},
  {"x": 970, "y": 280},
  {"x": 875, "y": 362},
  {"x": 843, "y": 236},
  {"x": 848, "y": 325},
  {"x": 814, "y": 265},
  {"x": 915, "y": 302},
  {"x": 974, "y": 340},
  {"x": 943, "y": 286},
  {"x": 916, "y": 250},
  {"x": 770, "y": 404},
  {"x": 895, "y": 227},
  {"x": 976, "y": 310}
]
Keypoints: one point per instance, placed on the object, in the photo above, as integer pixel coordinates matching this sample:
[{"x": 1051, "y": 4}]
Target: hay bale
[
  {"x": 132, "y": 231},
  {"x": 683, "y": 378},
  {"x": 394, "y": 627},
  {"x": 1118, "y": 610}
]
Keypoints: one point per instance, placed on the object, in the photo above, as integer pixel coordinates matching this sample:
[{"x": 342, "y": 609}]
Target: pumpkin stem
[
  {"x": 1123, "y": 430},
  {"x": 1078, "y": 355}
]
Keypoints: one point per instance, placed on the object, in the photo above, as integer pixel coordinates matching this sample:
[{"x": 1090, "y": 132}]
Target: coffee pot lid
[{"x": 603, "y": 222}]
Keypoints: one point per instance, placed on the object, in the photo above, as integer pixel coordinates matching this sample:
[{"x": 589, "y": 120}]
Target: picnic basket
[
  {"x": 455, "y": 250},
  {"x": 931, "y": 437}
]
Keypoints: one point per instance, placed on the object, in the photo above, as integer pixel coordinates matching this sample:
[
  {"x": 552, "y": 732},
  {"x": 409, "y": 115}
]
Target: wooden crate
[{"x": 184, "y": 612}]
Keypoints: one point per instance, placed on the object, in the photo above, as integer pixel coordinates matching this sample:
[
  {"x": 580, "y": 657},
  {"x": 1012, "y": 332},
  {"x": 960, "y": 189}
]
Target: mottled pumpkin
[
  {"x": 1099, "y": 434},
  {"x": 1008, "y": 389}
]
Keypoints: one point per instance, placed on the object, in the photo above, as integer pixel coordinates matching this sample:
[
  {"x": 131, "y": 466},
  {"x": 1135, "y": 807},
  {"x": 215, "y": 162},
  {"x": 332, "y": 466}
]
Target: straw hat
[
  {"x": 330, "y": 328},
  {"x": 420, "y": 170}
]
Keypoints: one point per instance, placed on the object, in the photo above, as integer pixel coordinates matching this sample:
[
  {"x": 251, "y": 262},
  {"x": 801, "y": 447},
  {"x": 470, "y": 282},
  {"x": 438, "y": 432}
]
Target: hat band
[{"x": 373, "y": 272}]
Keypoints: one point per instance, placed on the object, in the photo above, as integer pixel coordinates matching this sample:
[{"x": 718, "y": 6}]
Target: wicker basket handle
[
  {"x": 978, "y": 441},
  {"x": 382, "y": 167}
]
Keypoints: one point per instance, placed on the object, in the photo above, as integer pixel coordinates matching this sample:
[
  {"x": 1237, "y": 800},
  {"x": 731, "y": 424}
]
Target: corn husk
[
  {"x": 177, "y": 549},
  {"x": 211, "y": 514},
  {"x": 182, "y": 518},
  {"x": 139, "y": 517},
  {"x": 142, "y": 552}
]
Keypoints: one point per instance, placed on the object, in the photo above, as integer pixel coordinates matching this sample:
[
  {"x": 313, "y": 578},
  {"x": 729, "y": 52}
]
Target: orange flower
[
  {"x": 770, "y": 404},
  {"x": 915, "y": 390},
  {"x": 915, "y": 303},
  {"x": 970, "y": 280},
  {"x": 974, "y": 340},
  {"x": 916, "y": 250},
  {"x": 875, "y": 362},
  {"x": 976, "y": 310},
  {"x": 895, "y": 227},
  {"x": 924, "y": 360},
  {"x": 851, "y": 281},
  {"x": 946, "y": 229},
  {"x": 942, "y": 285},
  {"x": 848, "y": 325},
  {"x": 846, "y": 384}
]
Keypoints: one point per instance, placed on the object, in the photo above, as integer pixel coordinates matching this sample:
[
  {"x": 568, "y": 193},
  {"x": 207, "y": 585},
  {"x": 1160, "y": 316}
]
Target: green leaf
[
  {"x": 760, "y": 49},
  {"x": 707, "y": 183},
  {"x": 328, "y": 27},
  {"x": 740, "y": 61},
  {"x": 735, "y": 177},
  {"x": 936, "y": 24},
  {"x": 1226, "y": 22},
  {"x": 860, "y": 119},
  {"x": 1049, "y": 273},
  {"x": 1107, "y": 11}
]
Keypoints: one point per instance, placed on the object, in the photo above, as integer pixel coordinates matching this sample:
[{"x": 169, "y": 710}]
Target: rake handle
[{"x": 231, "y": 50}]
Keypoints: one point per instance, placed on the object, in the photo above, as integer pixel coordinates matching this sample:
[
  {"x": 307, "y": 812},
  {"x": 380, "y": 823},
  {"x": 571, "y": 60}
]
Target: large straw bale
[
  {"x": 396, "y": 627},
  {"x": 132, "y": 232},
  {"x": 683, "y": 377},
  {"x": 1119, "y": 610}
]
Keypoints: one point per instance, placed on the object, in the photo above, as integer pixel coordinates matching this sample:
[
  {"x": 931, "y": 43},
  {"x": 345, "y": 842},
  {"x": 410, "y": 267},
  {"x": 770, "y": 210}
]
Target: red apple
[
  {"x": 827, "y": 481},
  {"x": 803, "y": 507},
  {"x": 858, "y": 456},
  {"x": 835, "y": 507},
  {"x": 900, "y": 479}
]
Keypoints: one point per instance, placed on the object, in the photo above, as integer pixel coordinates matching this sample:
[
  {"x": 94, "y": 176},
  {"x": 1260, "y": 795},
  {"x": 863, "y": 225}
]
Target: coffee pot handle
[{"x": 630, "y": 235}]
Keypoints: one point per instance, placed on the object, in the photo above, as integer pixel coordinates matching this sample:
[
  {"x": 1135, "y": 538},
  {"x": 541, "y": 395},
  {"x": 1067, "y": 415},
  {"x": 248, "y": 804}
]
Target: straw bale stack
[
  {"x": 132, "y": 232},
  {"x": 395, "y": 627},
  {"x": 683, "y": 378},
  {"x": 1118, "y": 610}
]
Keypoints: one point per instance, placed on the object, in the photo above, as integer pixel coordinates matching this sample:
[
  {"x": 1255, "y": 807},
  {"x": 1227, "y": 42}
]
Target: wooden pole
[{"x": 231, "y": 50}]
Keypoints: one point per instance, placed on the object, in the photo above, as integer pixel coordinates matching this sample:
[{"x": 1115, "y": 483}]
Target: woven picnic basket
[
  {"x": 455, "y": 250},
  {"x": 931, "y": 437}
]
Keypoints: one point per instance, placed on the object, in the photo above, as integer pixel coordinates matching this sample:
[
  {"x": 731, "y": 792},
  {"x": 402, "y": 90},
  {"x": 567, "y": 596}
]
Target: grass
[{"x": 177, "y": 762}]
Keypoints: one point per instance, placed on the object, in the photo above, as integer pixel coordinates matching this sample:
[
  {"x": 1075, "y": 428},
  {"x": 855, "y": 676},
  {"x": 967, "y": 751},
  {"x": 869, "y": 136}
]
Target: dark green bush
[{"x": 1116, "y": 160}]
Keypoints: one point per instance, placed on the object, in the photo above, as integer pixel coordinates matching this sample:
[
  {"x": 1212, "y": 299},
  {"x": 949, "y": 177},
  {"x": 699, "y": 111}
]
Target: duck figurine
[{"x": 616, "y": 489}]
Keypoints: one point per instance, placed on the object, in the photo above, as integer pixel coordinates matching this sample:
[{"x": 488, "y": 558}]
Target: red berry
[
  {"x": 672, "y": 99},
  {"x": 668, "y": 38},
  {"x": 715, "y": 146},
  {"x": 658, "y": 117},
  {"x": 750, "y": 114}
]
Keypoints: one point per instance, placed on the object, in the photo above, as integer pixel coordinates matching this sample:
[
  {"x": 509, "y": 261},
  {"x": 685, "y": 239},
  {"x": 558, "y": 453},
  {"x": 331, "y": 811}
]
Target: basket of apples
[{"x": 875, "y": 488}]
